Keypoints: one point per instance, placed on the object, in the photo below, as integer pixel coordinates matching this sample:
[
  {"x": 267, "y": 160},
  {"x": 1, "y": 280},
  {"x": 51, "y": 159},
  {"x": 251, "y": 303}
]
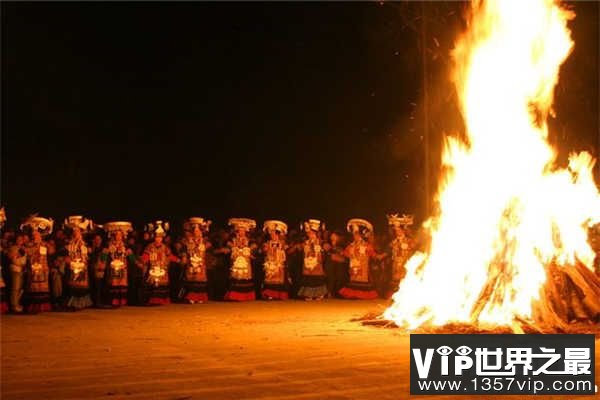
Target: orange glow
[{"x": 506, "y": 211}]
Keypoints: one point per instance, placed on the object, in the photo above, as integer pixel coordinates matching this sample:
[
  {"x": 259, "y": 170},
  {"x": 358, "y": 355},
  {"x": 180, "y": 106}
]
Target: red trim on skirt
[
  {"x": 348, "y": 293},
  {"x": 159, "y": 301},
  {"x": 119, "y": 302},
  {"x": 38, "y": 307},
  {"x": 275, "y": 294},
  {"x": 3, "y": 307},
  {"x": 196, "y": 297},
  {"x": 240, "y": 296}
]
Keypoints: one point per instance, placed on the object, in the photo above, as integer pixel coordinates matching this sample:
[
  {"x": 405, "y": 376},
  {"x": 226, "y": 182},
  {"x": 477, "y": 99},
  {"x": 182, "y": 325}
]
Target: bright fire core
[{"x": 507, "y": 214}]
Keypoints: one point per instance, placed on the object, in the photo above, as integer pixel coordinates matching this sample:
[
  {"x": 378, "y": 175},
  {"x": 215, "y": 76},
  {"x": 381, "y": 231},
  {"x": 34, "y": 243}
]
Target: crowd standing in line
[{"x": 85, "y": 265}]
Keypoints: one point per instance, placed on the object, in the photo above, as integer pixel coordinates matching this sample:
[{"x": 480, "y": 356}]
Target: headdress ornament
[
  {"x": 78, "y": 221},
  {"x": 199, "y": 222},
  {"x": 274, "y": 225},
  {"x": 118, "y": 226},
  {"x": 403, "y": 221},
  {"x": 245, "y": 224},
  {"x": 43, "y": 225},
  {"x": 359, "y": 225},
  {"x": 312, "y": 225},
  {"x": 158, "y": 228}
]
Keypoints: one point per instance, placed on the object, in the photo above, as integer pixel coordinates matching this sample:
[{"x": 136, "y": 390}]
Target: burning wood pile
[{"x": 509, "y": 246}]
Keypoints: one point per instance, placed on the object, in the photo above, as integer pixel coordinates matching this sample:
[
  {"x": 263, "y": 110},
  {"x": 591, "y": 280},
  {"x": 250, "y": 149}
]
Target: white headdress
[
  {"x": 43, "y": 225},
  {"x": 201, "y": 223},
  {"x": 274, "y": 225},
  {"x": 246, "y": 224},
  {"x": 118, "y": 226},
  {"x": 78, "y": 221},
  {"x": 312, "y": 225},
  {"x": 158, "y": 228},
  {"x": 404, "y": 220},
  {"x": 359, "y": 225}
]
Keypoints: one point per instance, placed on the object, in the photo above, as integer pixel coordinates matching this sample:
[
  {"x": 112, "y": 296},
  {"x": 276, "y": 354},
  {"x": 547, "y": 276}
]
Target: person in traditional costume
[
  {"x": 38, "y": 272},
  {"x": 241, "y": 285},
  {"x": 400, "y": 249},
  {"x": 77, "y": 258},
  {"x": 115, "y": 261},
  {"x": 313, "y": 285},
  {"x": 57, "y": 274},
  {"x": 194, "y": 260},
  {"x": 4, "y": 244},
  {"x": 177, "y": 271},
  {"x": 156, "y": 259},
  {"x": 258, "y": 261},
  {"x": 276, "y": 280},
  {"x": 60, "y": 238},
  {"x": 295, "y": 259},
  {"x": 136, "y": 272},
  {"x": 3, "y": 298},
  {"x": 97, "y": 271},
  {"x": 336, "y": 264},
  {"x": 359, "y": 252},
  {"x": 17, "y": 257},
  {"x": 212, "y": 273},
  {"x": 220, "y": 255}
]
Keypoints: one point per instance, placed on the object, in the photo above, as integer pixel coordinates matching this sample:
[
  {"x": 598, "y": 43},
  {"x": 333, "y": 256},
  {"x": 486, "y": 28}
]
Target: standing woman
[
  {"x": 401, "y": 248},
  {"x": 336, "y": 265},
  {"x": 17, "y": 256},
  {"x": 295, "y": 259},
  {"x": 241, "y": 285},
  {"x": 98, "y": 285},
  {"x": 275, "y": 285},
  {"x": 195, "y": 280},
  {"x": 156, "y": 259},
  {"x": 313, "y": 285},
  {"x": 359, "y": 252},
  {"x": 3, "y": 292},
  {"x": 116, "y": 257},
  {"x": 220, "y": 256},
  {"x": 38, "y": 289},
  {"x": 76, "y": 257}
]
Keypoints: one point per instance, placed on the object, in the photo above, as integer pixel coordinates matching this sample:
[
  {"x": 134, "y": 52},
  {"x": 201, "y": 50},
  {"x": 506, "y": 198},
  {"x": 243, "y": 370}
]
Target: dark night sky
[{"x": 267, "y": 110}]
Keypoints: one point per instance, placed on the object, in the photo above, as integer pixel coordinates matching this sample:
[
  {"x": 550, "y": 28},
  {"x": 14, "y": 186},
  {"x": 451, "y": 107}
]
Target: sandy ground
[{"x": 258, "y": 350}]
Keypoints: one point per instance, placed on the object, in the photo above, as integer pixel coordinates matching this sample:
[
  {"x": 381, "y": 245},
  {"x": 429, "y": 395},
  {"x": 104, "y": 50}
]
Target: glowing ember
[{"x": 510, "y": 224}]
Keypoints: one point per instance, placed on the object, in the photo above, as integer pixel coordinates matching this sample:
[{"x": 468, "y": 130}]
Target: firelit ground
[{"x": 258, "y": 350}]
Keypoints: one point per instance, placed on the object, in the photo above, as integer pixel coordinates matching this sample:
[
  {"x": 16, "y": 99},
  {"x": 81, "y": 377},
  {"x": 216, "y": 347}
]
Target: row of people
[{"x": 75, "y": 272}]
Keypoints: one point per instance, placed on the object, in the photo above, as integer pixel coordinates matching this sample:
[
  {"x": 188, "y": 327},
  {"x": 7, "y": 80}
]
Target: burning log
[
  {"x": 497, "y": 272},
  {"x": 585, "y": 292},
  {"x": 552, "y": 310}
]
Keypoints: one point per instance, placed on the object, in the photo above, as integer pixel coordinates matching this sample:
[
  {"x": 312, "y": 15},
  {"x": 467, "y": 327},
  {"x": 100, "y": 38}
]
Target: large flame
[{"x": 506, "y": 211}]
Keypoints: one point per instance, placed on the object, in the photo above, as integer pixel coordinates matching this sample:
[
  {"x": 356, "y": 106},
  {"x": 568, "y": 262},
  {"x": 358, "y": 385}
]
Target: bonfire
[{"x": 509, "y": 247}]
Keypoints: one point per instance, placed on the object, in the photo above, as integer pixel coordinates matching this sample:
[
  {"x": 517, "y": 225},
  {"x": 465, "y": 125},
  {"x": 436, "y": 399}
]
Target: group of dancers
[{"x": 76, "y": 269}]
